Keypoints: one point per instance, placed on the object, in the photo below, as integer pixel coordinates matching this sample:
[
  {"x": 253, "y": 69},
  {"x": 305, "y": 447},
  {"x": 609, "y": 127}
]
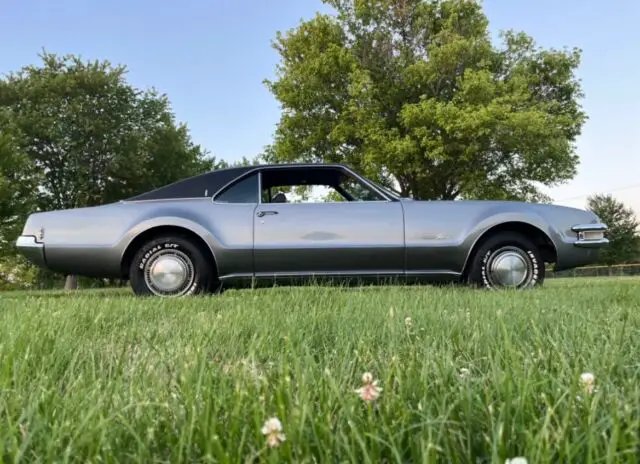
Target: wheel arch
[
  {"x": 160, "y": 230},
  {"x": 534, "y": 233}
]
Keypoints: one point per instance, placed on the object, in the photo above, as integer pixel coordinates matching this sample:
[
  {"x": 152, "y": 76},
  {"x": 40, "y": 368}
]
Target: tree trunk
[{"x": 71, "y": 283}]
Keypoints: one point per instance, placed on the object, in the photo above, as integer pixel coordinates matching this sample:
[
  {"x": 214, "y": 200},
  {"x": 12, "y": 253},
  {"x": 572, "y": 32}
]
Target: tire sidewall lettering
[
  {"x": 193, "y": 288},
  {"x": 533, "y": 262},
  {"x": 156, "y": 248}
]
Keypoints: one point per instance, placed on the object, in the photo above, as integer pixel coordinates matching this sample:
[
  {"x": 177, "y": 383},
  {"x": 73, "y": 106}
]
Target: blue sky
[{"x": 211, "y": 57}]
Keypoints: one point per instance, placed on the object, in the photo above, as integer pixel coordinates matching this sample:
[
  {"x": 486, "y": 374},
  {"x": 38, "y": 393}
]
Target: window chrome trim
[{"x": 260, "y": 170}]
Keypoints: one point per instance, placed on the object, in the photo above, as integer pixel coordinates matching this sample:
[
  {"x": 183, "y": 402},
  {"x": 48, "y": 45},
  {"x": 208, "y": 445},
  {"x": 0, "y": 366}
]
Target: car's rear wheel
[
  {"x": 507, "y": 260},
  {"x": 170, "y": 266}
]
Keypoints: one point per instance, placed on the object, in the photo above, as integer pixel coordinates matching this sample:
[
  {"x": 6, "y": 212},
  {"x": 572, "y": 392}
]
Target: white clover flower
[
  {"x": 588, "y": 379},
  {"x": 272, "y": 428},
  {"x": 408, "y": 322},
  {"x": 517, "y": 460}
]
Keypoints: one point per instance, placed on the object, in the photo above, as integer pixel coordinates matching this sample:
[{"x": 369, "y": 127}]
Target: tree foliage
[
  {"x": 92, "y": 136},
  {"x": 18, "y": 184},
  {"x": 623, "y": 232},
  {"x": 414, "y": 91}
]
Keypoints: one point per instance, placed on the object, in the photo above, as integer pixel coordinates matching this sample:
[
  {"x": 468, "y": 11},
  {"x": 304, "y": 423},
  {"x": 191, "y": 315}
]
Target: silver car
[{"x": 239, "y": 226}]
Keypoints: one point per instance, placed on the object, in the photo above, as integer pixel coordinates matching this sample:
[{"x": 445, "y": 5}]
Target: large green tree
[
  {"x": 93, "y": 136},
  {"x": 88, "y": 135},
  {"x": 414, "y": 92},
  {"x": 623, "y": 233}
]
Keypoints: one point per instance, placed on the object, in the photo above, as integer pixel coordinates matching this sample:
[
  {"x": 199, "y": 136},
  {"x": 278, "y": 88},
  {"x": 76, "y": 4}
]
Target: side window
[
  {"x": 314, "y": 185},
  {"x": 245, "y": 191},
  {"x": 359, "y": 191}
]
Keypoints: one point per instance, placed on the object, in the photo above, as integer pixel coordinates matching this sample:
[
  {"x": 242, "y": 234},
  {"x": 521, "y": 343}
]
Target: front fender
[{"x": 486, "y": 224}]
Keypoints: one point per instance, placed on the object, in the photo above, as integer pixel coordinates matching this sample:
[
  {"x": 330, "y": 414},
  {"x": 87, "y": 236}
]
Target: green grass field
[{"x": 100, "y": 376}]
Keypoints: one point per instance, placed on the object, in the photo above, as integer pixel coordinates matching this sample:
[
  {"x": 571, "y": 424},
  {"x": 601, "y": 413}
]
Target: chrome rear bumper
[
  {"x": 590, "y": 235},
  {"x": 31, "y": 249}
]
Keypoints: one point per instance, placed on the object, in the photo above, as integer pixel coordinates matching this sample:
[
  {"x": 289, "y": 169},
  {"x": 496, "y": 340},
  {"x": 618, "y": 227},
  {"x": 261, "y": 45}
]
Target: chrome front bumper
[
  {"x": 31, "y": 249},
  {"x": 590, "y": 235}
]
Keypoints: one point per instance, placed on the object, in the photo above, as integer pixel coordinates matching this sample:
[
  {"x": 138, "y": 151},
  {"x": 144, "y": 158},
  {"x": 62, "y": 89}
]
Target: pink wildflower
[{"x": 370, "y": 390}]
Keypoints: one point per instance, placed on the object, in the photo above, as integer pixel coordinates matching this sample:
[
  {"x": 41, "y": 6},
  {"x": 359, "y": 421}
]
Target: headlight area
[{"x": 590, "y": 235}]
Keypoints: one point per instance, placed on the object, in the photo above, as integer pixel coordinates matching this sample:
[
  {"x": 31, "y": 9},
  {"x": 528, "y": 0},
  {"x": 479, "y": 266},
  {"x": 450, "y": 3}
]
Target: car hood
[
  {"x": 506, "y": 203},
  {"x": 560, "y": 216}
]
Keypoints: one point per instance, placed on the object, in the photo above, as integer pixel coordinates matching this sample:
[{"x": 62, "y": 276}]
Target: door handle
[{"x": 264, "y": 213}]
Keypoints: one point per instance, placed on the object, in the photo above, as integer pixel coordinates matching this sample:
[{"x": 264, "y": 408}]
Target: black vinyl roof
[
  {"x": 202, "y": 185},
  {"x": 208, "y": 183}
]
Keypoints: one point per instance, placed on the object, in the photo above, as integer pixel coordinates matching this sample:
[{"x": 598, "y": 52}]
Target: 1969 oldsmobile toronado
[{"x": 236, "y": 225}]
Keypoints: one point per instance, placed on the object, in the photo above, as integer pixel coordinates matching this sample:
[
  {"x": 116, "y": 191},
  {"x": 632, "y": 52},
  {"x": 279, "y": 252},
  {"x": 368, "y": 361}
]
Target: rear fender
[{"x": 168, "y": 221}]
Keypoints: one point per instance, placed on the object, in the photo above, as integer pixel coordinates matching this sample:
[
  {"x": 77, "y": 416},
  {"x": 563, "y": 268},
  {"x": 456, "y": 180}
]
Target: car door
[{"x": 337, "y": 238}]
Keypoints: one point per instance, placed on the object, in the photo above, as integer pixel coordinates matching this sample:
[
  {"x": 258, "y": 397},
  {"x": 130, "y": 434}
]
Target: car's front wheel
[
  {"x": 170, "y": 266},
  {"x": 507, "y": 260}
]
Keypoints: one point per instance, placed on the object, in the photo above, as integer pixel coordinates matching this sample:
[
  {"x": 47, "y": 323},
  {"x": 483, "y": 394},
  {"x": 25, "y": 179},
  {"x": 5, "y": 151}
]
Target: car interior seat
[{"x": 279, "y": 198}]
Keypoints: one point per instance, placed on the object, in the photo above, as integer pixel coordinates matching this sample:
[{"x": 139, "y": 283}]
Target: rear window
[{"x": 243, "y": 191}]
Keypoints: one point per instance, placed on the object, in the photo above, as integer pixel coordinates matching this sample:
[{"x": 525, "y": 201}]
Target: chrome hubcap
[
  {"x": 508, "y": 268},
  {"x": 169, "y": 273}
]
